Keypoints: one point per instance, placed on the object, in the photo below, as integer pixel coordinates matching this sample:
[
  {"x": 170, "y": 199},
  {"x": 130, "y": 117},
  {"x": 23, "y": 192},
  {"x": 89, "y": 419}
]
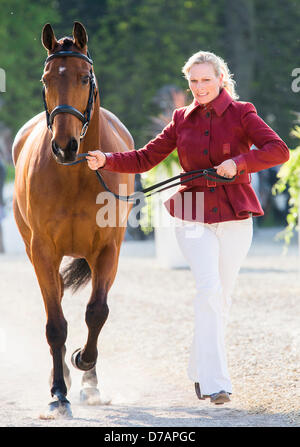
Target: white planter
[
  {"x": 168, "y": 253},
  {"x": 12, "y": 240}
]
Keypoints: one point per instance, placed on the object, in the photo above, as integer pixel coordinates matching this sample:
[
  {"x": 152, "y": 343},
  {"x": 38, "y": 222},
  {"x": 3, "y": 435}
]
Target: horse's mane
[{"x": 66, "y": 43}]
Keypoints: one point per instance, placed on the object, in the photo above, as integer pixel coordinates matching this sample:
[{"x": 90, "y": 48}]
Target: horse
[{"x": 55, "y": 205}]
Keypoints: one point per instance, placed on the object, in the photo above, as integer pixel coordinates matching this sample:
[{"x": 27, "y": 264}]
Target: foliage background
[{"x": 138, "y": 47}]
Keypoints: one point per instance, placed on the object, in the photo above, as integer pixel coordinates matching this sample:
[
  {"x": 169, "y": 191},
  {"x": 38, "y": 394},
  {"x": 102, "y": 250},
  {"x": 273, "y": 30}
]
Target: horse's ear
[
  {"x": 48, "y": 38},
  {"x": 80, "y": 35}
]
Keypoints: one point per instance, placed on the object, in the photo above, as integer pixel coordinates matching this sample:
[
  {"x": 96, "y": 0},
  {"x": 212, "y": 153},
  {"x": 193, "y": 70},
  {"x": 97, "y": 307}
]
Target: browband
[{"x": 69, "y": 53}]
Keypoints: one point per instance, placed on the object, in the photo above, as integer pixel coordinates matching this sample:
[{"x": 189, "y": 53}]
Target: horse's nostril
[
  {"x": 73, "y": 145},
  {"x": 65, "y": 154},
  {"x": 55, "y": 148}
]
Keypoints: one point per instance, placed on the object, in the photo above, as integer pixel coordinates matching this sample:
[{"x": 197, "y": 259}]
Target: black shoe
[{"x": 217, "y": 398}]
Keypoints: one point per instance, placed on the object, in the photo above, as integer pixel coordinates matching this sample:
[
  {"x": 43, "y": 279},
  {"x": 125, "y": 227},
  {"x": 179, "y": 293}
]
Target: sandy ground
[{"x": 144, "y": 345}]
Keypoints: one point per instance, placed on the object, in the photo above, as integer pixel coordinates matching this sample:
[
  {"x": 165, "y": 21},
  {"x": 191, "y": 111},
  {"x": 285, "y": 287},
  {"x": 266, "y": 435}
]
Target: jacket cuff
[
  {"x": 108, "y": 160},
  {"x": 240, "y": 164}
]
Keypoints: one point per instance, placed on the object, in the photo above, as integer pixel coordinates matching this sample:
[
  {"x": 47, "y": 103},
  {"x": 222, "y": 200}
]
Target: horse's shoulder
[
  {"x": 116, "y": 124},
  {"x": 23, "y": 133}
]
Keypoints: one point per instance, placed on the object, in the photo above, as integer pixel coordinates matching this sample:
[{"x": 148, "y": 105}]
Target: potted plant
[{"x": 289, "y": 178}]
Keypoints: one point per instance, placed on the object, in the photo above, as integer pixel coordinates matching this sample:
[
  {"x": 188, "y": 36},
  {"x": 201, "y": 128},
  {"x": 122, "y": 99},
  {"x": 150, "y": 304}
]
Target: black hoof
[
  {"x": 78, "y": 363},
  {"x": 60, "y": 408}
]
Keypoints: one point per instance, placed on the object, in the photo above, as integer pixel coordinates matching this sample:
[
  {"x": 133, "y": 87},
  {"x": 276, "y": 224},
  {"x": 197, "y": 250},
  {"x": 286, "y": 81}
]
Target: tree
[
  {"x": 22, "y": 57},
  {"x": 239, "y": 43},
  {"x": 141, "y": 46},
  {"x": 277, "y": 54}
]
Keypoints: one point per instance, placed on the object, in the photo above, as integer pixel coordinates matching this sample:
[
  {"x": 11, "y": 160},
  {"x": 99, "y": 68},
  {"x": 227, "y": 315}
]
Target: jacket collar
[{"x": 219, "y": 104}]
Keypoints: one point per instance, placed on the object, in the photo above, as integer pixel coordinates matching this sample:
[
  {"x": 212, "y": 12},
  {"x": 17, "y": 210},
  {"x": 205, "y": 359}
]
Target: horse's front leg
[
  {"x": 46, "y": 265},
  {"x": 103, "y": 273}
]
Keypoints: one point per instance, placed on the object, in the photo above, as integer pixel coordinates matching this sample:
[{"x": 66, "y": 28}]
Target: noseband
[{"x": 65, "y": 108}]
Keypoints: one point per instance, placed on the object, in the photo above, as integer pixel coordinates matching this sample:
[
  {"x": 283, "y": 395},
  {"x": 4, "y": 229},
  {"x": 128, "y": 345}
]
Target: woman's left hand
[{"x": 227, "y": 169}]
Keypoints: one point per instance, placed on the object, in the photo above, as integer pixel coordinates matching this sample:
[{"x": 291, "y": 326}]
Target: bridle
[{"x": 65, "y": 108}]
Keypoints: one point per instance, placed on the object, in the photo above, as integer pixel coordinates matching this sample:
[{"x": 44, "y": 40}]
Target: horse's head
[{"x": 69, "y": 90}]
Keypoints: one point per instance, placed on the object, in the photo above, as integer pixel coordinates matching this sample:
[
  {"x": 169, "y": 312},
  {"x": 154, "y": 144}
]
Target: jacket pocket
[{"x": 226, "y": 149}]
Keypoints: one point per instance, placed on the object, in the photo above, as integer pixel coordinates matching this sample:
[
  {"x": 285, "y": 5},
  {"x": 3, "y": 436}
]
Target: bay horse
[{"x": 55, "y": 205}]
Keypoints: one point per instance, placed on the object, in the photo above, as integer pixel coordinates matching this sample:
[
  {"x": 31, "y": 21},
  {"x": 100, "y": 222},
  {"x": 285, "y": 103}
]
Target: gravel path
[{"x": 144, "y": 345}]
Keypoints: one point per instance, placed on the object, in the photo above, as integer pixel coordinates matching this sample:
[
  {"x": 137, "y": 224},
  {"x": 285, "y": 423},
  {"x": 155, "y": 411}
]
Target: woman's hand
[
  {"x": 95, "y": 160},
  {"x": 227, "y": 169}
]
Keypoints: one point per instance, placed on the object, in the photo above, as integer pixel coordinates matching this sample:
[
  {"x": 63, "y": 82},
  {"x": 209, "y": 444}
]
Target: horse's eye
[
  {"x": 44, "y": 82},
  {"x": 85, "y": 80}
]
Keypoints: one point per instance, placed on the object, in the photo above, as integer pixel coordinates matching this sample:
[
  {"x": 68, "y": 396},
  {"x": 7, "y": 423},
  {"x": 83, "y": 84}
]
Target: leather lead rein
[{"x": 209, "y": 174}]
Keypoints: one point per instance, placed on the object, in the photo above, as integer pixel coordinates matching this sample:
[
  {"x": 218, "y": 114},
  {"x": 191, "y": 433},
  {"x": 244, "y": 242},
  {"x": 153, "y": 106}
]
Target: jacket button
[
  {"x": 205, "y": 152},
  {"x": 206, "y": 132},
  {"x": 212, "y": 189},
  {"x": 215, "y": 209},
  {"x": 207, "y": 115}
]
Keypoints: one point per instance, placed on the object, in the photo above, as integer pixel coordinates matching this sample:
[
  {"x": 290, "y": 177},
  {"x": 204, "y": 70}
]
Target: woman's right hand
[{"x": 95, "y": 159}]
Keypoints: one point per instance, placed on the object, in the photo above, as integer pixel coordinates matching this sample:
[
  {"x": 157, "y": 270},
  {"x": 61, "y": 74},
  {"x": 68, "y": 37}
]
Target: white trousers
[{"x": 214, "y": 253}]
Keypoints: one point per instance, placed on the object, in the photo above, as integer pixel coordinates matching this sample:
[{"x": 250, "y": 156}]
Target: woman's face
[{"x": 204, "y": 83}]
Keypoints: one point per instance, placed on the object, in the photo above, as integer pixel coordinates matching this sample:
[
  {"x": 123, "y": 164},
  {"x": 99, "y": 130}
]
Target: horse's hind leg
[
  {"x": 103, "y": 273},
  {"x": 85, "y": 359},
  {"x": 46, "y": 265},
  {"x": 89, "y": 394}
]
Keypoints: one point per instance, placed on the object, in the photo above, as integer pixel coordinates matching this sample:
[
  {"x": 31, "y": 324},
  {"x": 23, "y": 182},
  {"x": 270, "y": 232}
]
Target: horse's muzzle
[{"x": 66, "y": 154}]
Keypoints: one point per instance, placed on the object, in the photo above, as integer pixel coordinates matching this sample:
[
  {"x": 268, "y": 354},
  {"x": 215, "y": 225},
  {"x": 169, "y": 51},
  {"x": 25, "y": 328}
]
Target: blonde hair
[{"x": 219, "y": 66}]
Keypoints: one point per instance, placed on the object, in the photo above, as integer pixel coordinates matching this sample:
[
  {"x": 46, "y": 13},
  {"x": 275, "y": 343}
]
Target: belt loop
[{"x": 211, "y": 183}]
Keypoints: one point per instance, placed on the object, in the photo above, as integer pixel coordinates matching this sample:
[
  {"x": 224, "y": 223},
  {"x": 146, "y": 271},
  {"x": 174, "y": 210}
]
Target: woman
[{"x": 214, "y": 222}]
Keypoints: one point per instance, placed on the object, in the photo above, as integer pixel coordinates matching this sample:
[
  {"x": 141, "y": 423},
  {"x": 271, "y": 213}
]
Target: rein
[{"x": 209, "y": 174}]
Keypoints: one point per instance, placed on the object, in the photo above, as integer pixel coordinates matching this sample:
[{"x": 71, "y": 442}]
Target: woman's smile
[{"x": 204, "y": 83}]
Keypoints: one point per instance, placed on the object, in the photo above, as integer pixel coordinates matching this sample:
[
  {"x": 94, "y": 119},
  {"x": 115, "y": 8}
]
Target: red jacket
[{"x": 205, "y": 136}]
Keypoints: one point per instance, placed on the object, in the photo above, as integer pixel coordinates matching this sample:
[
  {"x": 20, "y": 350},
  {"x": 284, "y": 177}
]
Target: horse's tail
[{"x": 76, "y": 274}]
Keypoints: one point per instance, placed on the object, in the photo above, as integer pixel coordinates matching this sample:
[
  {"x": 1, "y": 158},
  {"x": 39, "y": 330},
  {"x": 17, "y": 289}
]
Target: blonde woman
[{"x": 214, "y": 226}]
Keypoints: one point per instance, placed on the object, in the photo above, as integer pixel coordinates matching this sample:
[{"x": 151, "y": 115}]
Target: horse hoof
[
  {"x": 78, "y": 363},
  {"x": 90, "y": 396},
  {"x": 58, "y": 410}
]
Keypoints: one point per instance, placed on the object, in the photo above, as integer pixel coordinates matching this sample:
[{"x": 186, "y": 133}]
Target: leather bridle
[{"x": 65, "y": 108}]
